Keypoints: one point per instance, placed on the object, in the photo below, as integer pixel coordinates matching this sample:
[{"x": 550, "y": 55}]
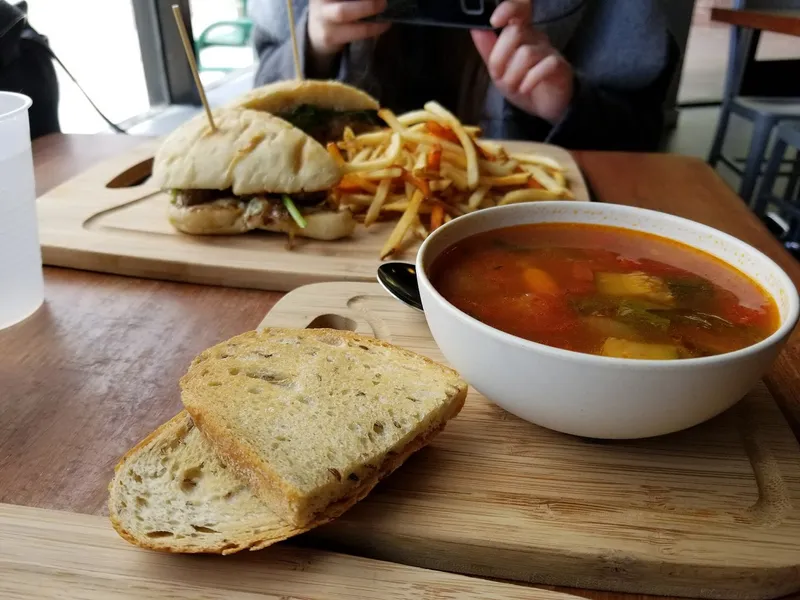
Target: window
[
  {"x": 102, "y": 52},
  {"x": 222, "y": 37}
]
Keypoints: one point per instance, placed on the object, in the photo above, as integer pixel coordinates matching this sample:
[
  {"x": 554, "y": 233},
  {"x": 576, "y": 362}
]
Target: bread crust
[
  {"x": 266, "y": 482},
  {"x": 285, "y": 96},
  {"x": 209, "y": 219},
  {"x": 251, "y": 152}
]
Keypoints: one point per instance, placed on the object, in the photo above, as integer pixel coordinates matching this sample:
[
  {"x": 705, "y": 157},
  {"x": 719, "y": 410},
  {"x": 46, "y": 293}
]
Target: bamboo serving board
[
  {"x": 103, "y": 221},
  {"x": 711, "y": 512},
  {"x": 50, "y": 554}
]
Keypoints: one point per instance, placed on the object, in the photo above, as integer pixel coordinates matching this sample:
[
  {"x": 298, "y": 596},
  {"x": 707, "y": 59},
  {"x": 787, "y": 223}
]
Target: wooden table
[
  {"x": 96, "y": 369},
  {"x": 777, "y": 21}
]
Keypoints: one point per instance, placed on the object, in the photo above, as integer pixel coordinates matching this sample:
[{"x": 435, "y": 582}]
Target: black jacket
[{"x": 26, "y": 67}]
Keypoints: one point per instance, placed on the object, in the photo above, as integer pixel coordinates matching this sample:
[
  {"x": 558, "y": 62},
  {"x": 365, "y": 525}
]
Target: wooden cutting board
[
  {"x": 712, "y": 512},
  {"x": 50, "y": 554},
  {"x": 113, "y": 220}
]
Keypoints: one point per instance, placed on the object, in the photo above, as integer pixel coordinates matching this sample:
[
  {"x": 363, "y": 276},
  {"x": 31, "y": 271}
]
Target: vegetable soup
[{"x": 604, "y": 290}]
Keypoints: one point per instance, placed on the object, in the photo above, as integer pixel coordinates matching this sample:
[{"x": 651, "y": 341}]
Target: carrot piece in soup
[{"x": 540, "y": 282}]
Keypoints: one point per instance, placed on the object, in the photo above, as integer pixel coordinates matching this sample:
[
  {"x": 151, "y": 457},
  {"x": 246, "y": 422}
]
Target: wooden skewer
[
  {"x": 187, "y": 46},
  {"x": 298, "y": 71}
]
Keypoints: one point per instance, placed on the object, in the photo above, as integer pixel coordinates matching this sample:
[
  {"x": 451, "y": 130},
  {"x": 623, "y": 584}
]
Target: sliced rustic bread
[
  {"x": 171, "y": 492},
  {"x": 315, "y": 418}
]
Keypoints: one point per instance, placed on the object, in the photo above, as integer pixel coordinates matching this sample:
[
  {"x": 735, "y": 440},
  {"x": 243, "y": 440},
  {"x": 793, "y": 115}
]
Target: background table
[
  {"x": 96, "y": 368},
  {"x": 778, "y": 21}
]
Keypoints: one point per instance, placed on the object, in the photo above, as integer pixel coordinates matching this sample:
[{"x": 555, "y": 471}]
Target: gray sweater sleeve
[
  {"x": 608, "y": 119},
  {"x": 272, "y": 41},
  {"x": 624, "y": 60}
]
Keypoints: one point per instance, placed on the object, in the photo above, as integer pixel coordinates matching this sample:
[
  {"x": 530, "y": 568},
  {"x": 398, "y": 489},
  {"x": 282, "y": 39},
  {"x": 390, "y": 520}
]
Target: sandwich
[
  {"x": 322, "y": 109},
  {"x": 254, "y": 171},
  {"x": 284, "y": 430}
]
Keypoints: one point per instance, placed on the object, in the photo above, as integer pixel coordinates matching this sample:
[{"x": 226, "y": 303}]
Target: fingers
[
  {"x": 512, "y": 39},
  {"x": 511, "y": 11},
  {"x": 354, "y": 32},
  {"x": 349, "y": 11},
  {"x": 524, "y": 60},
  {"x": 507, "y": 43},
  {"x": 541, "y": 71},
  {"x": 523, "y": 64},
  {"x": 484, "y": 42},
  {"x": 332, "y": 24}
]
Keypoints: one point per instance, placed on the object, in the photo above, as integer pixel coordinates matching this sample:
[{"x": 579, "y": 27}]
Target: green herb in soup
[{"x": 605, "y": 290}]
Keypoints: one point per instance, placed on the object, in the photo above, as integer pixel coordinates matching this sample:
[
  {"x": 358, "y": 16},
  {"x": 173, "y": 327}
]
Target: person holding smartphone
[{"x": 583, "y": 74}]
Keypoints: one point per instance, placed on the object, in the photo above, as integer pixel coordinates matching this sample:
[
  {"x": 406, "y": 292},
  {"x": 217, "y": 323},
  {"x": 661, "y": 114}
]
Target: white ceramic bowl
[{"x": 596, "y": 396}]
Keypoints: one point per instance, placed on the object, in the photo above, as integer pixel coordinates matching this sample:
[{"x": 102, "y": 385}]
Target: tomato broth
[{"x": 604, "y": 290}]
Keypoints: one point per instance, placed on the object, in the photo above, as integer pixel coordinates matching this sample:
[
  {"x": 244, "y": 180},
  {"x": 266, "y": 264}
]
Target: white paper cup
[{"x": 21, "y": 282}]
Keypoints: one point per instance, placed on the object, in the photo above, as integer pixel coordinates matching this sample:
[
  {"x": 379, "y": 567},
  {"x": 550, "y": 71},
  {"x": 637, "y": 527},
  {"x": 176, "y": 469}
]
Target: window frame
[{"x": 167, "y": 73}]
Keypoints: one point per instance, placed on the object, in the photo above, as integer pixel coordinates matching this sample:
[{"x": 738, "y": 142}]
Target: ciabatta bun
[
  {"x": 231, "y": 218},
  {"x": 251, "y": 152},
  {"x": 285, "y": 96}
]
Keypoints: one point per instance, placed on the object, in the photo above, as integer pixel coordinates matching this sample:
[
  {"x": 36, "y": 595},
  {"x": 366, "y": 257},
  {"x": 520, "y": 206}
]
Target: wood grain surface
[
  {"x": 96, "y": 413},
  {"x": 710, "y": 512},
  {"x": 47, "y": 554},
  {"x": 95, "y": 368},
  {"x": 58, "y": 158},
  {"x": 778, "y": 21},
  {"x": 108, "y": 220}
]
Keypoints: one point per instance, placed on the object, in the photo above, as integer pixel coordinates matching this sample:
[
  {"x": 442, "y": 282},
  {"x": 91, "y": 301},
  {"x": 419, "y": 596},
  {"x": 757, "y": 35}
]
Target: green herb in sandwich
[
  {"x": 293, "y": 212},
  {"x": 326, "y": 125}
]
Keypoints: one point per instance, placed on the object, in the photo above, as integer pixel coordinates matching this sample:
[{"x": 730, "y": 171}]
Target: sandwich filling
[
  {"x": 326, "y": 125},
  {"x": 259, "y": 209}
]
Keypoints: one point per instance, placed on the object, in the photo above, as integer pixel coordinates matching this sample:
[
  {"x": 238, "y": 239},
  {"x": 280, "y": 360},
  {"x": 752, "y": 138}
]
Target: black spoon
[{"x": 400, "y": 280}]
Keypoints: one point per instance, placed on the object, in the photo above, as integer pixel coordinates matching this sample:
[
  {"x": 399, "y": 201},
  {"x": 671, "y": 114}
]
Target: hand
[
  {"x": 527, "y": 70},
  {"x": 332, "y": 24}
]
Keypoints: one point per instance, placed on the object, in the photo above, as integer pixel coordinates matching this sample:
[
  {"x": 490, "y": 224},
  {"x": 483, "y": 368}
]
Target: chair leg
[
  {"x": 764, "y": 194},
  {"x": 792, "y": 190},
  {"x": 755, "y": 157},
  {"x": 719, "y": 137}
]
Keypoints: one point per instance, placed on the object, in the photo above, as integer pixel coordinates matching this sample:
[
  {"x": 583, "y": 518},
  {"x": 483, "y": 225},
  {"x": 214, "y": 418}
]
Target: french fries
[
  {"x": 429, "y": 168},
  {"x": 395, "y": 240}
]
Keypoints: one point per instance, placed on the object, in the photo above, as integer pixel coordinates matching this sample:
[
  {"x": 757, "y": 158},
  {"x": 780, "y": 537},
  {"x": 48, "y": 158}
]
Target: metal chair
[
  {"x": 234, "y": 33},
  {"x": 763, "y": 92},
  {"x": 782, "y": 214}
]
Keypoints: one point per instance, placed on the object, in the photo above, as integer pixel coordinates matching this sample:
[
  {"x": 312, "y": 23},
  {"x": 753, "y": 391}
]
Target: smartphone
[{"x": 468, "y": 14}]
